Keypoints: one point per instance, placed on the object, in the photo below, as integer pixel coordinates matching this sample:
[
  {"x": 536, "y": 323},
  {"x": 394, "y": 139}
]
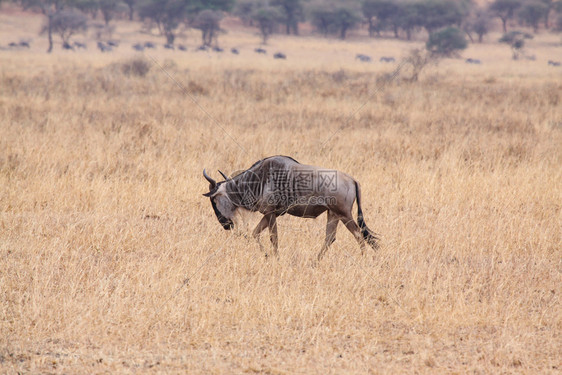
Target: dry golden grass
[{"x": 102, "y": 218}]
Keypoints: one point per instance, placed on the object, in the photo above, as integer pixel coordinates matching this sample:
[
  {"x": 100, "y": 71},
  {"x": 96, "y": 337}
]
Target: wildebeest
[
  {"x": 260, "y": 50},
  {"x": 218, "y": 49},
  {"x": 169, "y": 46},
  {"x": 202, "y": 48},
  {"x": 104, "y": 48},
  {"x": 553, "y": 63},
  {"x": 280, "y": 185},
  {"x": 235, "y": 51},
  {"x": 80, "y": 45},
  {"x": 280, "y": 55},
  {"x": 363, "y": 58},
  {"x": 181, "y": 47},
  {"x": 67, "y": 46},
  {"x": 472, "y": 61},
  {"x": 113, "y": 43},
  {"x": 138, "y": 47},
  {"x": 387, "y": 59},
  {"x": 149, "y": 45}
]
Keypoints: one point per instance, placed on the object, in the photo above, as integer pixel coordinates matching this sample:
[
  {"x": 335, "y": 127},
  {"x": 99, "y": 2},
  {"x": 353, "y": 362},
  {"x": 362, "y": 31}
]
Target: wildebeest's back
[{"x": 299, "y": 189}]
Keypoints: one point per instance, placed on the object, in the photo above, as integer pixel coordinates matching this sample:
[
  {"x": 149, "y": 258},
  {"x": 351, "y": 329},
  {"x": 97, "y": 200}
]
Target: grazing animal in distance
[
  {"x": 80, "y": 45},
  {"x": 104, "y": 47},
  {"x": 473, "y": 61},
  {"x": 113, "y": 43},
  {"x": 138, "y": 47},
  {"x": 218, "y": 49},
  {"x": 387, "y": 59},
  {"x": 67, "y": 46},
  {"x": 181, "y": 47},
  {"x": 149, "y": 45},
  {"x": 280, "y": 55},
  {"x": 554, "y": 63},
  {"x": 260, "y": 50},
  {"x": 202, "y": 48},
  {"x": 235, "y": 51},
  {"x": 363, "y": 58},
  {"x": 169, "y": 46},
  {"x": 280, "y": 185}
]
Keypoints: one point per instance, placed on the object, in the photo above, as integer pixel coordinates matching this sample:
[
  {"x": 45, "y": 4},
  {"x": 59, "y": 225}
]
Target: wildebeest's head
[{"x": 222, "y": 205}]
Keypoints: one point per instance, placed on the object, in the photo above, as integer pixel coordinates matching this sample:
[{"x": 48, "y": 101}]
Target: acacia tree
[
  {"x": 166, "y": 14},
  {"x": 266, "y": 18},
  {"x": 50, "y": 8},
  {"x": 131, "y": 5},
  {"x": 108, "y": 9},
  {"x": 292, "y": 11},
  {"x": 446, "y": 42},
  {"x": 347, "y": 16},
  {"x": 479, "y": 23},
  {"x": 197, "y": 6},
  {"x": 504, "y": 10},
  {"x": 549, "y": 6},
  {"x": 321, "y": 17},
  {"x": 436, "y": 14},
  {"x": 244, "y": 9},
  {"x": 335, "y": 16},
  {"x": 90, "y": 7},
  {"x": 532, "y": 13},
  {"x": 66, "y": 23},
  {"x": 410, "y": 18},
  {"x": 208, "y": 21},
  {"x": 381, "y": 14}
]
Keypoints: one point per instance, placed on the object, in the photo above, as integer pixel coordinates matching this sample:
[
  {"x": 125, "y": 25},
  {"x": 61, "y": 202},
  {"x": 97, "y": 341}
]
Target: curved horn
[
  {"x": 212, "y": 183},
  {"x": 222, "y": 174}
]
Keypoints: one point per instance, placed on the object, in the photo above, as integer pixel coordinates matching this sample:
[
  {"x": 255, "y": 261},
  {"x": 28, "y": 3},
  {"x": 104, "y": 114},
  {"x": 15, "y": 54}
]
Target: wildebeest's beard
[{"x": 226, "y": 223}]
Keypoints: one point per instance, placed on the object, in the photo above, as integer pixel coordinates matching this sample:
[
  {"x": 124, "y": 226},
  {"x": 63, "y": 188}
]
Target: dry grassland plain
[{"x": 102, "y": 217}]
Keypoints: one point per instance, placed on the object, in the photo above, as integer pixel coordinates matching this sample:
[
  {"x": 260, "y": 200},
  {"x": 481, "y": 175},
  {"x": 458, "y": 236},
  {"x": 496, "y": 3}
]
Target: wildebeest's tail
[{"x": 369, "y": 236}]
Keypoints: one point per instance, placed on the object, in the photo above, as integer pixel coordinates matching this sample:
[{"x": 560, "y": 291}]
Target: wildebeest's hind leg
[
  {"x": 331, "y": 228},
  {"x": 354, "y": 229}
]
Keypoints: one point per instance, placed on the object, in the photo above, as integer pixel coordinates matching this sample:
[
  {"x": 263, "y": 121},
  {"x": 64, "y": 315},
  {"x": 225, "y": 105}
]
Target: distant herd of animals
[{"x": 110, "y": 45}]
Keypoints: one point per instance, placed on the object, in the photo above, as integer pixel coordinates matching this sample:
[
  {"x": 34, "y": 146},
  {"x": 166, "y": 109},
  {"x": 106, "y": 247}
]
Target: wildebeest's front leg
[
  {"x": 264, "y": 223},
  {"x": 267, "y": 221},
  {"x": 331, "y": 227},
  {"x": 272, "y": 223}
]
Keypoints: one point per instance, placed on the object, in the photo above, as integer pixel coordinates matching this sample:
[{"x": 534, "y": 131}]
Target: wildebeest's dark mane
[
  {"x": 269, "y": 157},
  {"x": 214, "y": 190}
]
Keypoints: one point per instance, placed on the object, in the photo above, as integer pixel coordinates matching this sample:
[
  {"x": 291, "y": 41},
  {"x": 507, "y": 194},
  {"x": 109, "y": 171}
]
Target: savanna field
[{"x": 112, "y": 261}]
